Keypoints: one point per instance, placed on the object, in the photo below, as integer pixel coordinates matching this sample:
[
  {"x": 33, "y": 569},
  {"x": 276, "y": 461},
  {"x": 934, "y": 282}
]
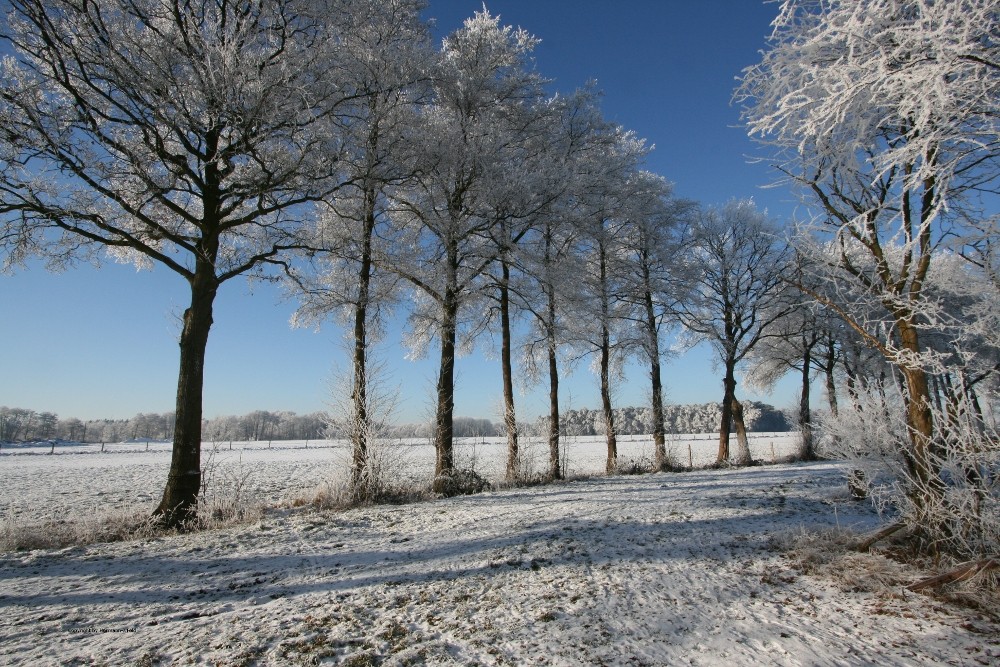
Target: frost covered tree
[
  {"x": 15, "y": 423},
  {"x": 729, "y": 292},
  {"x": 802, "y": 341},
  {"x": 546, "y": 259},
  {"x": 601, "y": 311},
  {"x": 385, "y": 57},
  {"x": 191, "y": 136},
  {"x": 885, "y": 112},
  {"x": 521, "y": 201},
  {"x": 465, "y": 152},
  {"x": 654, "y": 220}
]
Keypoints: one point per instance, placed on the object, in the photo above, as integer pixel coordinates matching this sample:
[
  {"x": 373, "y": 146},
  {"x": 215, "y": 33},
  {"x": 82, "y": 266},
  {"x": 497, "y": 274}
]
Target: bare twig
[
  {"x": 960, "y": 573},
  {"x": 878, "y": 536}
]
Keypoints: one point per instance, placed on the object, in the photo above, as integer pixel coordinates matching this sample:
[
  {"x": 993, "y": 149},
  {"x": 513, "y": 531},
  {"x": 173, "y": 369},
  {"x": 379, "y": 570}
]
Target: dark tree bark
[
  {"x": 361, "y": 422},
  {"x": 445, "y": 414},
  {"x": 742, "y": 457},
  {"x": 555, "y": 469},
  {"x": 831, "y": 384},
  {"x": 806, "y": 451},
  {"x": 179, "y": 503},
  {"x": 609, "y": 416},
  {"x": 926, "y": 487},
  {"x": 509, "y": 412},
  {"x": 725, "y": 426},
  {"x": 653, "y": 349},
  {"x": 732, "y": 415}
]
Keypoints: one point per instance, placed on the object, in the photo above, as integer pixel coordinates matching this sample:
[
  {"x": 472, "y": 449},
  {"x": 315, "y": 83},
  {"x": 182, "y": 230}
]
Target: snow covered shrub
[
  {"x": 635, "y": 466},
  {"x": 958, "y": 511},
  {"x": 531, "y": 467},
  {"x": 460, "y": 482},
  {"x": 384, "y": 477},
  {"x": 393, "y": 487}
]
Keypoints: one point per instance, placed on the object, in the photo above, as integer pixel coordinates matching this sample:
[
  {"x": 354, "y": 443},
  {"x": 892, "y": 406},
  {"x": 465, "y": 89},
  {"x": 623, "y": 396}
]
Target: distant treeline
[
  {"x": 20, "y": 424},
  {"x": 697, "y": 418}
]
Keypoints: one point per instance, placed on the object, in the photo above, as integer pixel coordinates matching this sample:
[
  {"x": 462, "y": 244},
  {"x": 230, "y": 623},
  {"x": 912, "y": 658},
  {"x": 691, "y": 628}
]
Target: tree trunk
[
  {"x": 806, "y": 451},
  {"x": 180, "y": 497},
  {"x": 852, "y": 389},
  {"x": 971, "y": 396},
  {"x": 742, "y": 457},
  {"x": 927, "y": 488},
  {"x": 555, "y": 471},
  {"x": 653, "y": 345},
  {"x": 728, "y": 396},
  {"x": 444, "y": 417},
  {"x": 926, "y": 485},
  {"x": 609, "y": 416},
  {"x": 831, "y": 384},
  {"x": 360, "y": 420},
  {"x": 509, "y": 413}
]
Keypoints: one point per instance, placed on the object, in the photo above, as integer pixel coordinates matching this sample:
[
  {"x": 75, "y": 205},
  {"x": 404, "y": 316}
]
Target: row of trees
[
  {"x": 495, "y": 207},
  {"x": 24, "y": 425},
  {"x": 697, "y": 418},
  {"x": 329, "y": 142}
]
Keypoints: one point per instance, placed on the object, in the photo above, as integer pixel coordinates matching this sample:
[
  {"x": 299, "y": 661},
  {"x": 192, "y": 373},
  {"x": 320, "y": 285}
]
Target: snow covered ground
[{"x": 661, "y": 569}]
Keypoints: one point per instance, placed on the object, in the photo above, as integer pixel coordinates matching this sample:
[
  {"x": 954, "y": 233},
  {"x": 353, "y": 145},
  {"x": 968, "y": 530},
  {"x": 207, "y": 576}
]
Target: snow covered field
[
  {"x": 661, "y": 569},
  {"x": 79, "y": 480}
]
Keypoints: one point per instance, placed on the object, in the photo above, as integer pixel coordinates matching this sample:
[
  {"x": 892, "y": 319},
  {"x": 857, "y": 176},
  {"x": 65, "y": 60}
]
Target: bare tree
[
  {"x": 546, "y": 257},
  {"x": 654, "y": 221},
  {"x": 602, "y": 311},
  {"x": 466, "y": 149},
  {"x": 732, "y": 272},
  {"x": 800, "y": 342},
  {"x": 519, "y": 203},
  {"x": 385, "y": 56},
  {"x": 191, "y": 136}
]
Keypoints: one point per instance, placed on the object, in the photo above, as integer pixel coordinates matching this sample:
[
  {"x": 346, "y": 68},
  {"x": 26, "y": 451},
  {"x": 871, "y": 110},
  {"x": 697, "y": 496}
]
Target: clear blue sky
[{"x": 102, "y": 342}]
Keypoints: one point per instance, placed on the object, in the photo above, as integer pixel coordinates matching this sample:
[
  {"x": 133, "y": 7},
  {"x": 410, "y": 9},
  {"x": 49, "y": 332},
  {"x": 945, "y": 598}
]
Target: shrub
[{"x": 460, "y": 482}]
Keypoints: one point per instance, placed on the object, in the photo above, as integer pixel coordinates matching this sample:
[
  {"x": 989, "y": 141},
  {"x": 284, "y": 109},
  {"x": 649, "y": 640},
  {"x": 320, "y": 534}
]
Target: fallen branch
[
  {"x": 960, "y": 573},
  {"x": 866, "y": 544}
]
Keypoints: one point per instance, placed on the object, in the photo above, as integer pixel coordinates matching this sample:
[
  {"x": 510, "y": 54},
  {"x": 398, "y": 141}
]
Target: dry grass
[
  {"x": 226, "y": 504},
  {"x": 886, "y": 569},
  {"x": 340, "y": 496},
  {"x": 112, "y": 526}
]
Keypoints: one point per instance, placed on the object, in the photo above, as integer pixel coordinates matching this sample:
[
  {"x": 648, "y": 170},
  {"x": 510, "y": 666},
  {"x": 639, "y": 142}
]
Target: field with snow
[
  {"x": 39, "y": 481},
  {"x": 659, "y": 569}
]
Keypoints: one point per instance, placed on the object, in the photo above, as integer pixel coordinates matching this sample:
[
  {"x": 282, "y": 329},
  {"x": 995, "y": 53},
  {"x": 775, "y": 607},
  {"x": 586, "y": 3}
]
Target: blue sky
[{"x": 103, "y": 342}]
